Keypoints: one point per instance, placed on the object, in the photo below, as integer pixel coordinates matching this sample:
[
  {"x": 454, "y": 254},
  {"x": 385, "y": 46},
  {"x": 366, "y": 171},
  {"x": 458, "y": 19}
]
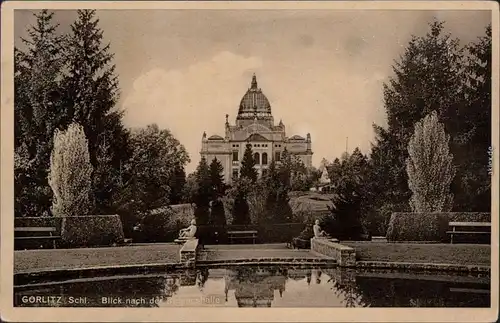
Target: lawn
[
  {"x": 33, "y": 260},
  {"x": 37, "y": 260},
  {"x": 462, "y": 254}
]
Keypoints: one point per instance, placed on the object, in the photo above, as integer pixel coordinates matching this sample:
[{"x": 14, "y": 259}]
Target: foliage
[
  {"x": 91, "y": 231},
  {"x": 70, "y": 173},
  {"x": 433, "y": 74},
  {"x": 217, "y": 212},
  {"x": 256, "y": 199},
  {"x": 307, "y": 233},
  {"x": 239, "y": 194},
  {"x": 247, "y": 169},
  {"x": 90, "y": 94},
  {"x": 426, "y": 79},
  {"x": 190, "y": 189},
  {"x": 60, "y": 80},
  {"x": 156, "y": 153},
  {"x": 217, "y": 179},
  {"x": 218, "y": 188},
  {"x": 473, "y": 180},
  {"x": 177, "y": 184},
  {"x": 347, "y": 177},
  {"x": 430, "y": 167},
  {"x": 277, "y": 186},
  {"x": 428, "y": 226},
  {"x": 203, "y": 193},
  {"x": 159, "y": 226},
  {"x": 37, "y": 73},
  {"x": 344, "y": 221}
]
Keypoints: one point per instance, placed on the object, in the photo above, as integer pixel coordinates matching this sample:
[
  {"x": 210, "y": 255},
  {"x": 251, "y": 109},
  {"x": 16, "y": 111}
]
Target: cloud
[{"x": 191, "y": 100}]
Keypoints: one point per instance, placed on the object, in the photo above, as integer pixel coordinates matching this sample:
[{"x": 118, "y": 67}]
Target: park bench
[
  {"x": 40, "y": 234},
  {"x": 469, "y": 228},
  {"x": 247, "y": 234}
]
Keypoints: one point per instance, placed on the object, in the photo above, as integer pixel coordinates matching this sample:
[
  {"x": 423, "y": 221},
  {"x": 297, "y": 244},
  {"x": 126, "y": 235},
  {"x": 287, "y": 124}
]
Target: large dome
[{"x": 254, "y": 103}]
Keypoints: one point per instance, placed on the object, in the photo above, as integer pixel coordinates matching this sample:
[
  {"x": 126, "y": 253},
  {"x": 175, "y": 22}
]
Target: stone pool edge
[{"x": 414, "y": 266}]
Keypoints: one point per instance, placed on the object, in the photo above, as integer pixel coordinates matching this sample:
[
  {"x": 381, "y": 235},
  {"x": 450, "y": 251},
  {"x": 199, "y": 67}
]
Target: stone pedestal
[
  {"x": 345, "y": 256},
  {"x": 187, "y": 254}
]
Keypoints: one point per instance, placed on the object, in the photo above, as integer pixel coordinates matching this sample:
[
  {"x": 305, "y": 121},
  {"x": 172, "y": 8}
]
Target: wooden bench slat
[
  {"x": 469, "y": 224},
  {"x": 244, "y": 234},
  {"x": 35, "y": 229},
  {"x": 38, "y": 238}
]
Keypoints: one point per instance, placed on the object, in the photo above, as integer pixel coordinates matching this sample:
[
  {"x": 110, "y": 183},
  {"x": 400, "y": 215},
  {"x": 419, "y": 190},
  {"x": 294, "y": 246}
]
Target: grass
[
  {"x": 461, "y": 254},
  {"x": 33, "y": 260},
  {"x": 36, "y": 260}
]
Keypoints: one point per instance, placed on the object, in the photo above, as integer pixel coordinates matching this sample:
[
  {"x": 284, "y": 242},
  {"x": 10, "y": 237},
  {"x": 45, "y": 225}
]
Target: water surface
[{"x": 249, "y": 286}]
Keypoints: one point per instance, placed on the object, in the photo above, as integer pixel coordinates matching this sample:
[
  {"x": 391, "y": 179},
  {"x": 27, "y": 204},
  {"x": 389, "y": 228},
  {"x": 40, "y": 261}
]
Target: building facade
[{"x": 255, "y": 126}]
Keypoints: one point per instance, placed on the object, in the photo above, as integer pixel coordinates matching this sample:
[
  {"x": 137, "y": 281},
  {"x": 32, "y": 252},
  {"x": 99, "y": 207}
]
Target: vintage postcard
[{"x": 249, "y": 161}]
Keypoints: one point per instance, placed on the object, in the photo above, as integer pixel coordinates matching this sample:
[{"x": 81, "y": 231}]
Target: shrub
[
  {"x": 182, "y": 214},
  {"x": 283, "y": 232},
  {"x": 428, "y": 226},
  {"x": 91, "y": 231},
  {"x": 414, "y": 227},
  {"x": 307, "y": 233},
  {"x": 163, "y": 224},
  {"x": 159, "y": 226}
]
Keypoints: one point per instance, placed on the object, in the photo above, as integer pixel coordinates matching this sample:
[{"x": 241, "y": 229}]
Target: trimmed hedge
[
  {"x": 428, "y": 226},
  {"x": 91, "y": 231},
  {"x": 158, "y": 226}
]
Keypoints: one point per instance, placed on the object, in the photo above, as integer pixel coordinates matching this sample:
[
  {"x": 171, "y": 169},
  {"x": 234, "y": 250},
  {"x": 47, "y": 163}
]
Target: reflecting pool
[{"x": 250, "y": 286}]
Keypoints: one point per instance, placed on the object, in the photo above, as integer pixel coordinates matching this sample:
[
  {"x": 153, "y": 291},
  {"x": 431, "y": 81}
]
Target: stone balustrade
[
  {"x": 188, "y": 252},
  {"x": 345, "y": 256}
]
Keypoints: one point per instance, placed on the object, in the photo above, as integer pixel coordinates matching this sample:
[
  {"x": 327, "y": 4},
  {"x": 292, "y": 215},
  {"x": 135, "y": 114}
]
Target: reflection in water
[{"x": 266, "y": 287}]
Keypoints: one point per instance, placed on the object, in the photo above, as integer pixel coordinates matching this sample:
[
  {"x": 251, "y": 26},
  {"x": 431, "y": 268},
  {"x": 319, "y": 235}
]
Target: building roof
[
  {"x": 215, "y": 137},
  {"x": 254, "y": 103},
  {"x": 297, "y": 137},
  {"x": 257, "y": 137}
]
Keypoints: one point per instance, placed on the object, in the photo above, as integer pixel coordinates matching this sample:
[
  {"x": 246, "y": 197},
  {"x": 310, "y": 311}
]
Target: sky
[{"x": 322, "y": 71}]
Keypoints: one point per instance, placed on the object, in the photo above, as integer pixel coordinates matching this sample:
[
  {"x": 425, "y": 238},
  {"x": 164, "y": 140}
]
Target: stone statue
[
  {"x": 189, "y": 232},
  {"x": 318, "y": 232}
]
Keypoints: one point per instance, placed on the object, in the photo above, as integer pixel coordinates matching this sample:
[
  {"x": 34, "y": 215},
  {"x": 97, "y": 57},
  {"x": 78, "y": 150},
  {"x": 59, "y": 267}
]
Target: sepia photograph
[{"x": 313, "y": 157}]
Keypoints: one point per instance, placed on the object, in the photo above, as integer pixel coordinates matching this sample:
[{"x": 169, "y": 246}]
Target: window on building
[
  {"x": 256, "y": 157},
  {"x": 235, "y": 173},
  {"x": 264, "y": 172},
  {"x": 264, "y": 158},
  {"x": 235, "y": 156},
  {"x": 277, "y": 156}
]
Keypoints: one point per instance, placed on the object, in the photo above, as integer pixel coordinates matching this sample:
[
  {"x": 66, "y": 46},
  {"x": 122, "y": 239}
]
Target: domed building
[{"x": 255, "y": 126}]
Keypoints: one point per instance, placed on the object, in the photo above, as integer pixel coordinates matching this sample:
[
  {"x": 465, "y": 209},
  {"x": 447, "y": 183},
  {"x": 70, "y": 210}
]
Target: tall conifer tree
[
  {"x": 217, "y": 215},
  {"x": 37, "y": 73},
  {"x": 90, "y": 96},
  {"x": 203, "y": 194},
  {"x": 248, "y": 164}
]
